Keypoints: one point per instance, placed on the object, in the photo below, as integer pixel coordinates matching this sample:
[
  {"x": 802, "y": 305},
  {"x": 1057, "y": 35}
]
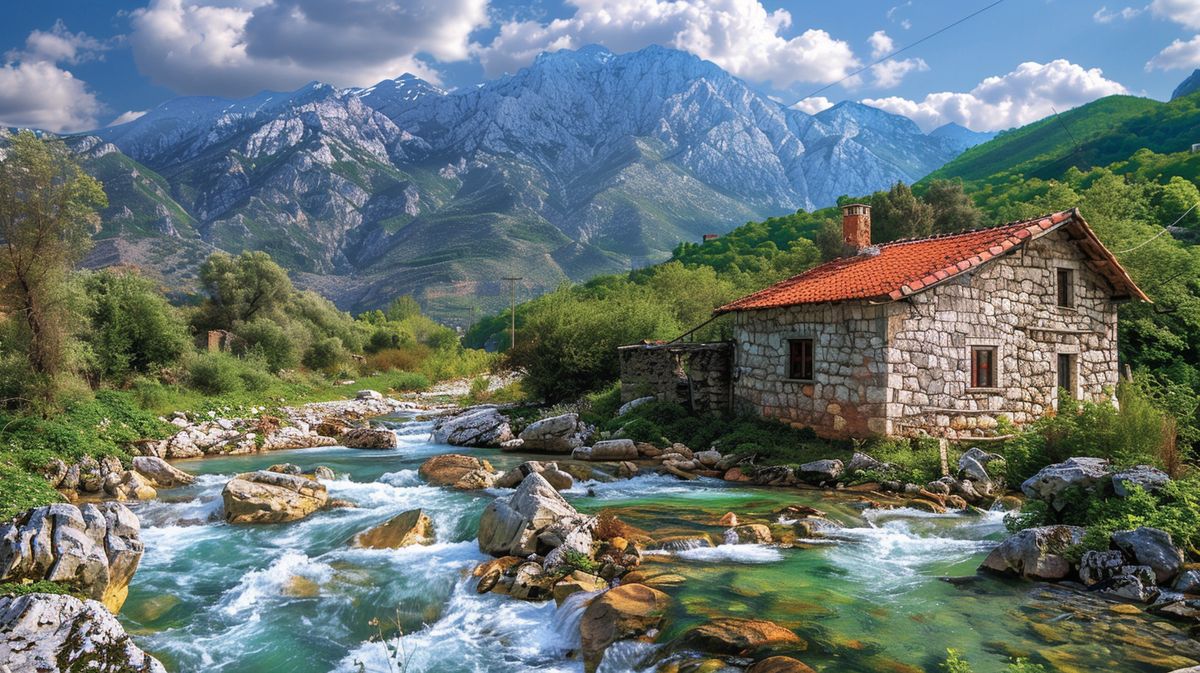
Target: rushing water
[{"x": 296, "y": 598}]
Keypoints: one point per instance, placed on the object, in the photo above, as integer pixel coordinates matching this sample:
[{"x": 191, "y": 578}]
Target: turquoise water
[{"x": 295, "y": 598}]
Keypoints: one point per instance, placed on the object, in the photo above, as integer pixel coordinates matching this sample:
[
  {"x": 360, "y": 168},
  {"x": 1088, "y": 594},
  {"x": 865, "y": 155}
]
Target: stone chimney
[{"x": 856, "y": 226}]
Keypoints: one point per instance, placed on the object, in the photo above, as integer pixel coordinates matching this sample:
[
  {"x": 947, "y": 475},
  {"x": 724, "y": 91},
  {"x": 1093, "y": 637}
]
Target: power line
[
  {"x": 512, "y": 286},
  {"x": 903, "y": 49},
  {"x": 1164, "y": 230}
]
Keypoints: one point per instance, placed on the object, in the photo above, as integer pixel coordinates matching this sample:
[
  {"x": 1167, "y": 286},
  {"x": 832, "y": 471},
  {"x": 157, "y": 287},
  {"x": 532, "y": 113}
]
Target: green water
[{"x": 295, "y": 598}]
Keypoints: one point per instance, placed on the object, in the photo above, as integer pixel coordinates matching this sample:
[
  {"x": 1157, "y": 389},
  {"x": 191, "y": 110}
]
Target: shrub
[
  {"x": 409, "y": 382},
  {"x": 215, "y": 374},
  {"x": 149, "y": 393},
  {"x": 408, "y": 358},
  {"x": 132, "y": 328},
  {"x": 325, "y": 354},
  {"x": 39, "y": 587},
  {"x": 269, "y": 341}
]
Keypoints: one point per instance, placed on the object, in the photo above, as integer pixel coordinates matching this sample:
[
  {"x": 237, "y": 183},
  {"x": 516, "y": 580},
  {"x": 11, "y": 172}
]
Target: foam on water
[
  {"x": 733, "y": 553},
  {"x": 641, "y": 486},
  {"x": 259, "y": 587}
]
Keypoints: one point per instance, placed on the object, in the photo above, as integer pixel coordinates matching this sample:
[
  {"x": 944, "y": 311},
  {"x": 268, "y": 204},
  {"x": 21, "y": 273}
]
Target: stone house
[{"x": 943, "y": 335}]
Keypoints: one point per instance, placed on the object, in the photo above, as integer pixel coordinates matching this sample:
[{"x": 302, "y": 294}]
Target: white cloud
[
  {"x": 126, "y": 117},
  {"x": 813, "y": 104},
  {"x": 1024, "y": 95},
  {"x": 890, "y": 72},
  {"x": 741, "y": 36},
  {"x": 35, "y": 92},
  {"x": 239, "y": 47},
  {"x": 1104, "y": 15},
  {"x": 1184, "y": 12},
  {"x": 1177, "y": 55}
]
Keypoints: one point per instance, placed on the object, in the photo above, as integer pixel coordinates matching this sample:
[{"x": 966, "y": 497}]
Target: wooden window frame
[
  {"x": 986, "y": 377},
  {"x": 1064, "y": 287},
  {"x": 801, "y": 364}
]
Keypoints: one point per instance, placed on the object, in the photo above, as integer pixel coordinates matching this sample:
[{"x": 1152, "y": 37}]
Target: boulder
[
  {"x": 614, "y": 449},
  {"x": 370, "y": 438},
  {"x": 286, "y": 468},
  {"x": 531, "y": 582},
  {"x": 1151, "y": 547},
  {"x": 297, "y": 438},
  {"x": 368, "y": 395},
  {"x": 557, "y": 434},
  {"x": 558, "y": 478},
  {"x": 1148, "y": 477},
  {"x": 634, "y": 404},
  {"x": 1035, "y": 553},
  {"x": 448, "y": 469},
  {"x": 162, "y": 473},
  {"x": 549, "y": 471},
  {"x": 779, "y": 665},
  {"x": 861, "y": 462},
  {"x": 55, "y": 472},
  {"x": 708, "y": 459},
  {"x": 1134, "y": 583},
  {"x": 752, "y": 533},
  {"x": 627, "y": 469},
  {"x": 813, "y": 527},
  {"x": 1098, "y": 566},
  {"x": 774, "y": 475},
  {"x": 737, "y": 637},
  {"x": 325, "y": 473},
  {"x": 410, "y": 528},
  {"x": 95, "y": 549},
  {"x": 476, "y": 480},
  {"x": 52, "y": 633},
  {"x": 627, "y": 611},
  {"x": 270, "y": 497},
  {"x": 578, "y": 581},
  {"x": 521, "y": 524},
  {"x": 129, "y": 485},
  {"x": 478, "y": 426},
  {"x": 1052, "y": 481},
  {"x": 821, "y": 471},
  {"x": 1188, "y": 582}
]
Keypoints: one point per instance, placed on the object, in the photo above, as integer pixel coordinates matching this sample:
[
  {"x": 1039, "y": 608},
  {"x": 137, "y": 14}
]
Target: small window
[
  {"x": 1066, "y": 288},
  {"x": 983, "y": 367},
  {"x": 800, "y": 359},
  {"x": 1066, "y": 373}
]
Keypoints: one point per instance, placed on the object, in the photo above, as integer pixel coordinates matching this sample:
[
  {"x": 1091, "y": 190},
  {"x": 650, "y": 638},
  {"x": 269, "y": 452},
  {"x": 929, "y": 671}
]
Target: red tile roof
[{"x": 903, "y": 268}]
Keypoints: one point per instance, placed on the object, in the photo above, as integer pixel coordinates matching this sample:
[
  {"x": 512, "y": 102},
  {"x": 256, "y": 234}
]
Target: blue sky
[{"x": 77, "y": 64}]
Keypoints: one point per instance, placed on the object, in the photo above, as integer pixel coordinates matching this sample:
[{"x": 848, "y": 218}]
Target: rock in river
[
  {"x": 270, "y": 497},
  {"x": 780, "y": 665},
  {"x": 370, "y": 438},
  {"x": 95, "y": 549},
  {"x": 457, "y": 470},
  {"x": 557, "y": 434},
  {"x": 52, "y": 633},
  {"x": 403, "y": 530},
  {"x": 534, "y": 519},
  {"x": 477, "y": 426},
  {"x": 820, "y": 471},
  {"x": 628, "y": 611},
  {"x": 1151, "y": 547},
  {"x": 609, "y": 449},
  {"x": 162, "y": 473},
  {"x": 1035, "y": 553},
  {"x": 738, "y": 637}
]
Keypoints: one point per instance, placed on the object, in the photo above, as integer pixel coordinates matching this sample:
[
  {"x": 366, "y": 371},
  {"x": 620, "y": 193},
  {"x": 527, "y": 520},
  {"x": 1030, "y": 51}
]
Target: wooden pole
[{"x": 512, "y": 313}]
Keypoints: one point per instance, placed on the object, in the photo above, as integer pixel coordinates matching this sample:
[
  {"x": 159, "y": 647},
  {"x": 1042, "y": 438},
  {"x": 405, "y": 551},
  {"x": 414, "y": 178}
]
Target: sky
[{"x": 72, "y": 65}]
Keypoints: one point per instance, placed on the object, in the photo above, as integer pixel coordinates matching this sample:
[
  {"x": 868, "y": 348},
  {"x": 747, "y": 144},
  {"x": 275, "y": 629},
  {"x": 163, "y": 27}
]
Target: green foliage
[
  {"x": 223, "y": 374},
  {"x": 39, "y": 587},
  {"x": 1132, "y": 435},
  {"x": 325, "y": 354},
  {"x": 956, "y": 663},
  {"x": 1175, "y": 508},
  {"x": 23, "y": 489},
  {"x": 580, "y": 561},
  {"x": 242, "y": 288},
  {"x": 915, "y": 461},
  {"x": 409, "y": 382},
  {"x": 268, "y": 340},
  {"x": 131, "y": 328},
  {"x": 571, "y": 337}
]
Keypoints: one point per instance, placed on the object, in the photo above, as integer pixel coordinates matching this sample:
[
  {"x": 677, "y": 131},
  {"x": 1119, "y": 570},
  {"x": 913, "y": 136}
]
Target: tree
[
  {"x": 48, "y": 213},
  {"x": 132, "y": 328},
  {"x": 403, "y": 307},
  {"x": 953, "y": 210},
  {"x": 1174, "y": 200},
  {"x": 242, "y": 288},
  {"x": 898, "y": 213}
]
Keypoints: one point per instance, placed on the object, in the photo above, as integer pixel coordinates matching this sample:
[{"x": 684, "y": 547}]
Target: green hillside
[{"x": 1101, "y": 133}]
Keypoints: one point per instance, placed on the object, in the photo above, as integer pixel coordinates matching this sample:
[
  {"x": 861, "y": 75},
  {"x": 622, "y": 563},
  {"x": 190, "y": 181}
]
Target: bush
[
  {"x": 1133, "y": 435},
  {"x": 269, "y": 341},
  {"x": 132, "y": 328},
  {"x": 325, "y": 354},
  {"x": 149, "y": 393},
  {"x": 39, "y": 587},
  {"x": 215, "y": 374},
  {"x": 409, "y": 382},
  {"x": 408, "y": 358}
]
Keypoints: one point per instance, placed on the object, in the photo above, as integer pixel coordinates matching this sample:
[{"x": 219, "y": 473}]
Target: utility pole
[{"x": 512, "y": 314}]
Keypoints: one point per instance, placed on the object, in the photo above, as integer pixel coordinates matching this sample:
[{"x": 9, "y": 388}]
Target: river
[{"x": 296, "y": 598}]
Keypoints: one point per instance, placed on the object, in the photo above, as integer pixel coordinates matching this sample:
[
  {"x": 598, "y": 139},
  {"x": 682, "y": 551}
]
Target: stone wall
[
  {"x": 694, "y": 375},
  {"x": 847, "y": 393},
  {"x": 1010, "y": 304}
]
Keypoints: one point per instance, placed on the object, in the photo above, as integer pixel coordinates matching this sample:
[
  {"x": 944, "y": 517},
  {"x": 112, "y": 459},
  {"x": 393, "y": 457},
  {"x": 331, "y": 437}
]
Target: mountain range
[{"x": 583, "y": 163}]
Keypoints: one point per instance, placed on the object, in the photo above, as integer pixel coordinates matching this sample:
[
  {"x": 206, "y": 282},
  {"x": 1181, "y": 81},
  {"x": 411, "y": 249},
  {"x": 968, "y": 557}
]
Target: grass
[{"x": 39, "y": 587}]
